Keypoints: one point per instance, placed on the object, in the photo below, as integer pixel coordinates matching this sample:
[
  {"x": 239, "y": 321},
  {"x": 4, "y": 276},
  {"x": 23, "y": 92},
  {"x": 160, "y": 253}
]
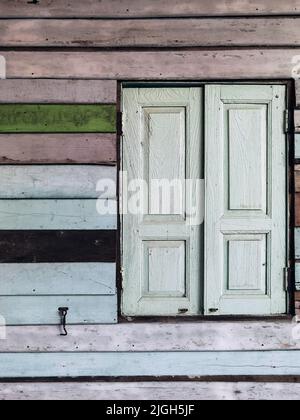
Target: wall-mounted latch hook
[{"x": 63, "y": 314}]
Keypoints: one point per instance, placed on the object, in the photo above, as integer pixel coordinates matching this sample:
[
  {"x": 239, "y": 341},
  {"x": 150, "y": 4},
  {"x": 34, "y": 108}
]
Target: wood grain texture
[
  {"x": 73, "y": 148},
  {"x": 57, "y": 279},
  {"x": 153, "y": 33},
  {"x": 297, "y": 83},
  {"x": 297, "y": 146},
  {"x": 56, "y": 214},
  {"x": 145, "y": 391},
  {"x": 152, "y": 364},
  {"x": 163, "y": 129},
  {"x": 146, "y": 8},
  {"x": 58, "y": 91},
  {"x": 57, "y": 246},
  {"x": 56, "y": 181},
  {"x": 43, "y": 310},
  {"x": 177, "y": 336},
  {"x": 297, "y": 121},
  {"x": 151, "y": 65},
  {"x": 57, "y": 118}
]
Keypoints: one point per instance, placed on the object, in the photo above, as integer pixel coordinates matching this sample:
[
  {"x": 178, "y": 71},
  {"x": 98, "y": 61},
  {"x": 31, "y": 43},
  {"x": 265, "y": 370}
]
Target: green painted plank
[
  {"x": 72, "y": 279},
  {"x": 121, "y": 364},
  {"x": 16, "y": 118},
  {"x": 43, "y": 310}
]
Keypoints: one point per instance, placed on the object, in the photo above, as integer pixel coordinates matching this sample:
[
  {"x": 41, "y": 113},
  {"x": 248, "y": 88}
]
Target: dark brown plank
[
  {"x": 297, "y": 178},
  {"x": 73, "y": 148},
  {"x": 151, "y": 33},
  {"x": 152, "y": 65},
  {"x": 145, "y": 8},
  {"x": 58, "y": 91},
  {"x": 57, "y": 246}
]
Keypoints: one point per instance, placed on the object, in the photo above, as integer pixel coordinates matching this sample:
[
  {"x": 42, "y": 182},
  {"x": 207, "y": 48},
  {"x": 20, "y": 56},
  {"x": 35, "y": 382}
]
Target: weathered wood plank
[
  {"x": 57, "y": 246},
  {"x": 43, "y": 310},
  {"x": 297, "y": 146},
  {"x": 150, "y": 33},
  {"x": 150, "y": 65},
  {"x": 57, "y": 118},
  {"x": 56, "y": 214},
  {"x": 297, "y": 80},
  {"x": 157, "y": 391},
  {"x": 73, "y": 148},
  {"x": 297, "y": 178},
  {"x": 56, "y": 181},
  {"x": 297, "y": 209},
  {"x": 297, "y": 121},
  {"x": 58, "y": 91},
  {"x": 121, "y": 364},
  {"x": 146, "y": 8},
  {"x": 57, "y": 279},
  {"x": 297, "y": 267},
  {"x": 177, "y": 336},
  {"x": 297, "y": 244}
]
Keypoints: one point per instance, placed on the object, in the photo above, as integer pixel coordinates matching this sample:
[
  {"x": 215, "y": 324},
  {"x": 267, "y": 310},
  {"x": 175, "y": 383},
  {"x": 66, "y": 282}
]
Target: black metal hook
[{"x": 63, "y": 314}]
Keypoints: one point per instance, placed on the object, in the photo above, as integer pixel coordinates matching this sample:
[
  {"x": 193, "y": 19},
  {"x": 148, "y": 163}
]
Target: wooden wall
[{"x": 63, "y": 60}]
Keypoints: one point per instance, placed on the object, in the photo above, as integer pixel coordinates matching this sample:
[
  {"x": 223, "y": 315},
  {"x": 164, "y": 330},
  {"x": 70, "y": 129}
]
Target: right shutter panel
[{"x": 245, "y": 200}]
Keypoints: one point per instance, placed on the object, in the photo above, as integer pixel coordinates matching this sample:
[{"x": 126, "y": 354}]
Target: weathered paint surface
[
  {"x": 43, "y": 310},
  {"x": 148, "y": 8},
  {"x": 73, "y": 149},
  {"x": 57, "y": 181},
  {"x": 52, "y": 214},
  {"x": 153, "y": 336},
  {"x": 107, "y": 364},
  {"x": 58, "y": 279},
  {"x": 57, "y": 118}
]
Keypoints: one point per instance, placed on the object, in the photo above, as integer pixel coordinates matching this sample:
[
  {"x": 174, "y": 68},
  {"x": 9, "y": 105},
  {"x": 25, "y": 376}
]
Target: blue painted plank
[
  {"x": 56, "y": 215},
  {"x": 43, "y": 310},
  {"x": 58, "y": 279},
  {"x": 110, "y": 364},
  {"x": 57, "y": 181},
  {"x": 297, "y": 146}
]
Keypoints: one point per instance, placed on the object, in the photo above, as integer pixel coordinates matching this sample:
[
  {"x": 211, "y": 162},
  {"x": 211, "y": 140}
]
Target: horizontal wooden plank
[
  {"x": 57, "y": 279},
  {"x": 297, "y": 82},
  {"x": 56, "y": 181},
  {"x": 297, "y": 244},
  {"x": 297, "y": 267},
  {"x": 195, "y": 364},
  {"x": 297, "y": 178},
  {"x": 58, "y": 91},
  {"x": 297, "y": 205},
  {"x": 297, "y": 121},
  {"x": 16, "y": 118},
  {"x": 149, "y": 33},
  {"x": 57, "y": 246},
  {"x": 39, "y": 310},
  {"x": 297, "y": 146},
  {"x": 146, "y": 8},
  {"x": 56, "y": 214},
  {"x": 145, "y": 391},
  {"x": 152, "y": 65},
  {"x": 73, "y": 148},
  {"x": 177, "y": 336}
]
